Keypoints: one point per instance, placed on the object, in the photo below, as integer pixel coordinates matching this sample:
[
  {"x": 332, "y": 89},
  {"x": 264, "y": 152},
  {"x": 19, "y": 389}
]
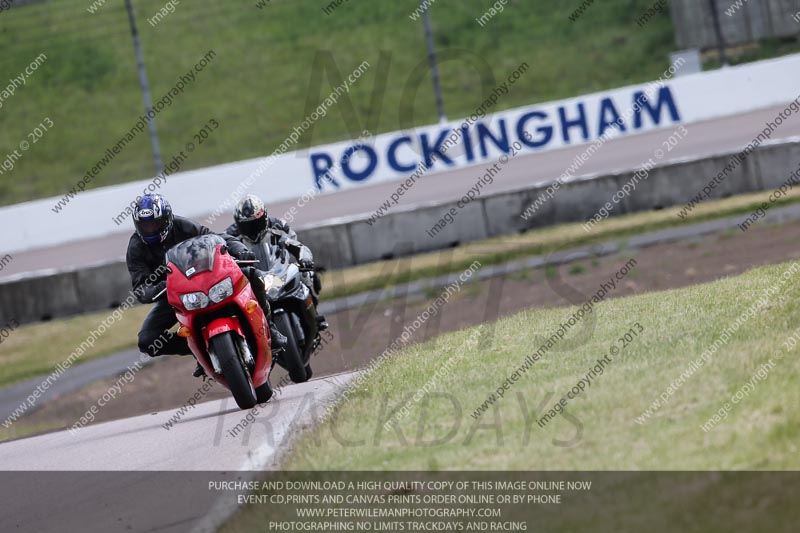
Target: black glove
[
  {"x": 236, "y": 248},
  {"x": 148, "y": 292},
  {"x": 246, "y": 255}
]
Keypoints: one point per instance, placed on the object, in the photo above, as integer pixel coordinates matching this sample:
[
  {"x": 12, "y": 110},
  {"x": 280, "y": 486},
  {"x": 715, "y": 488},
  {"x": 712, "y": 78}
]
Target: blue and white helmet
[{"x": 153, "y": 218}]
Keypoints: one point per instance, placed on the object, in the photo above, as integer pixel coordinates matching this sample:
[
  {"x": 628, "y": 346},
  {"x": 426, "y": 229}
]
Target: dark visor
[{"x": 152, "y": 227}]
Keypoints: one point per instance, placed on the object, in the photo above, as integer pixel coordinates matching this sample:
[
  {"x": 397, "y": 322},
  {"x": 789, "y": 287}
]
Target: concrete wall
[
  {"x": 352, "y": 242},
  {"x": 754, "y": 20}
]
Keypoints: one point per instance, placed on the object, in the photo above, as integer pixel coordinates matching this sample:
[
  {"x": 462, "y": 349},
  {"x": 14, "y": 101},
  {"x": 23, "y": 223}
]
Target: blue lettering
[
  {"x": 606, "y": 107},
  {"x": 546, "y": 132},
  {"x": 371, "y": 164},
  {"x": 321, "y": 164},
  {"x": 664, "y": 99},
  {"x": 392, "y": 155},
  {"x": 428, "y": 151},
  {"x": 467, "y": 143},
  {"x": 580, "y": 122},
  {"x": 502, "y": 142}
]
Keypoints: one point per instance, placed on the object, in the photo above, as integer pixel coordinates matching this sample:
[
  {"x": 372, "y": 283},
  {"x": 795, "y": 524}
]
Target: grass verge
[{"x": 599, "y": 430}]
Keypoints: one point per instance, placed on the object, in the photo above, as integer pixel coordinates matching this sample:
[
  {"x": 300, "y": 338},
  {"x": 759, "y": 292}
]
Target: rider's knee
[{"x": 147, "y": 343}]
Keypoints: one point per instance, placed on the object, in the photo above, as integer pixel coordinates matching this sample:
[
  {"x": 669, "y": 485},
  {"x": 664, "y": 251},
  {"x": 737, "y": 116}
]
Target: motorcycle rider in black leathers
[
  {"x": 252, "y": 224},
  {"x": 157, "y": 230}
]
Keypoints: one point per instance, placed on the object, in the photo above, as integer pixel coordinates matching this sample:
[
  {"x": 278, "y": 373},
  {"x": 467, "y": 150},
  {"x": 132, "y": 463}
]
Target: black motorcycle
[{"x": 294, "y": 311}]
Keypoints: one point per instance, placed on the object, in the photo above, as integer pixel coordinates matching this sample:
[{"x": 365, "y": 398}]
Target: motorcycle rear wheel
[{"x": 234, "y": 373}]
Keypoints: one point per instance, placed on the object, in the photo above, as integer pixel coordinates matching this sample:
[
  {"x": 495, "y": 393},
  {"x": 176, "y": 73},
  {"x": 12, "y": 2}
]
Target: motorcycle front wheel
[{"x": 234, "y": 373}]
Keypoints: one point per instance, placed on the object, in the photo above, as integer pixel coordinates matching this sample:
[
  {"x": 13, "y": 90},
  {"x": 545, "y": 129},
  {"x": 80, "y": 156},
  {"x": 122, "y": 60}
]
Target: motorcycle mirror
[{"x": 223, "y": 249}]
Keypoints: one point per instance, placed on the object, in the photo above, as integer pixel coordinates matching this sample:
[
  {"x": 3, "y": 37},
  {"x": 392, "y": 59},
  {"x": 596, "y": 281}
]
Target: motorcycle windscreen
[
  {"x": 263, "y": 253},
  {"x": 195, "y": 255}
]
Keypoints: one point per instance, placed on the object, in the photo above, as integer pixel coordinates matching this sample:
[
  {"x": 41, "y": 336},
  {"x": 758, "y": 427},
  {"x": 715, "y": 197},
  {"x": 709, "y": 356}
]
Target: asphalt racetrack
[
  {"x": 704, "y": 138},
  {"x": 202, "y": 438},
  {"x": 129, "y": 466}
]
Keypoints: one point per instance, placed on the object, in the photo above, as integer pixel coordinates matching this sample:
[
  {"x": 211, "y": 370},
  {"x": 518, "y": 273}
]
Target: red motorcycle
[{"x": 220, "y": 317}]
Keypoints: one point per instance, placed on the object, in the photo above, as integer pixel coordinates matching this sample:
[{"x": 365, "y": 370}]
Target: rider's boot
[
  {"x": 279, "y": 340},
  {"x": 199, "y": 371}
]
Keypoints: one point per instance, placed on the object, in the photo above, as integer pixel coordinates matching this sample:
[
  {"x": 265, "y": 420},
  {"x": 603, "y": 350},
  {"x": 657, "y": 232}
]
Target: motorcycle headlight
[
  {"x": 271, "y": 281},
  {"x": 221, "y": 290},
  {"x": 194, "y": 300},
  {"x": 273, "y": 285}
]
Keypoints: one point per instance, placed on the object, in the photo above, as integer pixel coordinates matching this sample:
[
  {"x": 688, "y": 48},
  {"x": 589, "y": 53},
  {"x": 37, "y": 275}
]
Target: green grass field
[
  {"x": 257, "y": 87},
  {"x": 600, "y": 431}
]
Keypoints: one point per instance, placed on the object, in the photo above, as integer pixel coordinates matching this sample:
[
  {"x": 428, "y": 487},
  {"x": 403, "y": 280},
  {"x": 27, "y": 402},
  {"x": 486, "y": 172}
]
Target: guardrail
[{"x": 41, "y": 296}]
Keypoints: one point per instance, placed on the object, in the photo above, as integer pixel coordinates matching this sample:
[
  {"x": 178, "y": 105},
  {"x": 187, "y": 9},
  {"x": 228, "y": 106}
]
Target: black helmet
[
  {"x": 251, "y": 217},
  {"x": 153, "y": 218}
]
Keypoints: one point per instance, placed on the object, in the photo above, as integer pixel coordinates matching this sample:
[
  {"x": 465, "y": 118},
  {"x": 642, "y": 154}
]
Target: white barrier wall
[{"x": 393, "y": 156}]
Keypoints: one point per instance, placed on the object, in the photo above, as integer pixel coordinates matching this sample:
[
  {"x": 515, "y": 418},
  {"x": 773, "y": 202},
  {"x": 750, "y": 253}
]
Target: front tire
[
  {"x": 290, "y": 357},
  {"x": 264, "y": 392},
  {"x": 234, "y": 373}
]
